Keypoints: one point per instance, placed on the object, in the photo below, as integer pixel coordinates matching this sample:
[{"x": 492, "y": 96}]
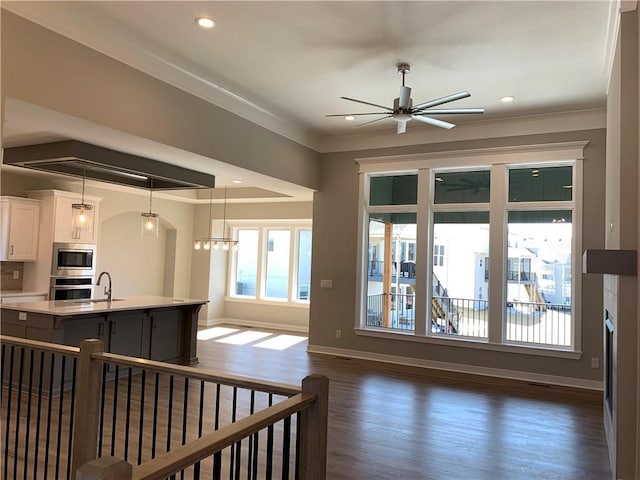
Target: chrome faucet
[{"x": 107, "y": 289}]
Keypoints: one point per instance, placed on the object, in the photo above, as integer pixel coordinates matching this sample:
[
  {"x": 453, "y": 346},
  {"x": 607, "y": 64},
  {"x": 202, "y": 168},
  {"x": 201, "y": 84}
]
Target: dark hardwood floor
[{"x": 394, "y": 422}]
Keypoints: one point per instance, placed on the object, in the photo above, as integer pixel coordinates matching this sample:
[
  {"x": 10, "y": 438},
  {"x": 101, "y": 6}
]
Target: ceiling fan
[{"x": 403, "y": 109}]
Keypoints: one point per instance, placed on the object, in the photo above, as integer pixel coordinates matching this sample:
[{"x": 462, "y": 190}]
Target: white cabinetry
[
  {"x": 63, "y": 231},
  {"x": 20, "y": 220},
  {"x": 58, "y": 204},
  {"x": 55, "y": 226}
]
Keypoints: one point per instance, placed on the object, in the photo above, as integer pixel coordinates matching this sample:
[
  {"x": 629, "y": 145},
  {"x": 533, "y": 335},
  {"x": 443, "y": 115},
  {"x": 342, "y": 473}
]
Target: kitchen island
[{"x": 156, "y": 328}]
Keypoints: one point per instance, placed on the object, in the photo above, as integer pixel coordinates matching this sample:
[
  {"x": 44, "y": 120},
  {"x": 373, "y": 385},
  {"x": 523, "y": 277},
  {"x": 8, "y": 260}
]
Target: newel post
[
  {"x": 313, "y": 429},
  {"x": 105, "y": 468},
  {"x": 87, "y": 410}
]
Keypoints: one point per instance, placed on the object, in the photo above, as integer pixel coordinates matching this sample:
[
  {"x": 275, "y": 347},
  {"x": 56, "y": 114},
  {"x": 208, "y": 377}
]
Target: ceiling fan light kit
[{"x": 403, "y": 110}]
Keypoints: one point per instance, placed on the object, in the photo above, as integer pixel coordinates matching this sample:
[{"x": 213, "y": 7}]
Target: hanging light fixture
[
  {"x": 150, "y": 220},
  {"x": 81, "y": 214},
  {"x": 223, "y": 241}
]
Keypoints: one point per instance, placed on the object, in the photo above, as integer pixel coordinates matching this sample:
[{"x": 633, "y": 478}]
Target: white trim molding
[
  {"x": 287, "y": 327},
  {"x": 460, "y": 368}
]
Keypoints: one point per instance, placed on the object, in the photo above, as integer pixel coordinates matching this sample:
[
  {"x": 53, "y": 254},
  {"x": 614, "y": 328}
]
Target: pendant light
[
  {"x": 215, "y": 243},
  {"x": 81, "y": 215},
  {"x": 150, "y": 220}
]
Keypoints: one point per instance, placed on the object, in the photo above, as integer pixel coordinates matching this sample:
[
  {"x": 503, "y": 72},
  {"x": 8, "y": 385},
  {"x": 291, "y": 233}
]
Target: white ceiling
[{"x": 285, "y": 64}]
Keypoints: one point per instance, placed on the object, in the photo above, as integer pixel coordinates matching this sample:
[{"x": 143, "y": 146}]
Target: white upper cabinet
[
  {"x": 57, "y": 204},
  {"x": 63, "y": 229},
  {"x": 20, "y": 220}
]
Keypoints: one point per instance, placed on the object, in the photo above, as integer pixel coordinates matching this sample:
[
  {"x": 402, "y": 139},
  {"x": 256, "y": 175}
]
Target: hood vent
[{"x": 79, "y": 159}]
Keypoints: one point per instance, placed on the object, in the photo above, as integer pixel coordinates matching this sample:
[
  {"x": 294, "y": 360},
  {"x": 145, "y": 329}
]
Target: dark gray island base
[{"x": 156, "y": 328}]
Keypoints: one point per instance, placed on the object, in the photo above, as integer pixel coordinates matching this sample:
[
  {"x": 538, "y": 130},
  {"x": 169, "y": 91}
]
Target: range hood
[{"x": 79, "y": 159}]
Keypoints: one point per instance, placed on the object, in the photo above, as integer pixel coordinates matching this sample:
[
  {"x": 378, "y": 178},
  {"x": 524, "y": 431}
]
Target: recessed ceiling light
[
  {"x": 507, "y": 99},
  {"x": 236, "y": 181},
  {"x": 205, "y": 22},
  {"x": 350, "y": 118}
]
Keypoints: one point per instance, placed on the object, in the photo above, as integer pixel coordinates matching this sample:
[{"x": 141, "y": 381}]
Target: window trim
[{"x": 496, "y": 159}]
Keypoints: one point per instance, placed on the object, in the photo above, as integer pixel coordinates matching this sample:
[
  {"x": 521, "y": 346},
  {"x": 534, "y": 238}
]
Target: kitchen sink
[
  {"x": 100, "y": 300},
  {"x": 93, "y": 300}
]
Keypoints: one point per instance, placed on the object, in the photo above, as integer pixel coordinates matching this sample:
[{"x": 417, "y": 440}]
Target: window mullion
[
  {"x": 262, "y": 263},
  {"x": 497, "y": 253},
  {"x": 293, "y": 263},
  {"x": 423, "y": 255}
]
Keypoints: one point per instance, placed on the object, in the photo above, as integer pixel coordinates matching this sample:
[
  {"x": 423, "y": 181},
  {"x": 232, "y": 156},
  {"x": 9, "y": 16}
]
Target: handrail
[
  {"x": 37, "y": 345},
  {"x": 310, "y": 401},
  {"x": 186, "y": 455},
  {"x": 199, "y": 374},
  {"x": 160, "y": 367}
]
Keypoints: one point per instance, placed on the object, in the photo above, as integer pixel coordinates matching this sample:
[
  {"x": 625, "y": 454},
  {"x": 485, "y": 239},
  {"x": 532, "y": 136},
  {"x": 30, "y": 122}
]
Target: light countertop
[
  {"x": 83, "y": 307},
  {"x": 20, "y": 293}
]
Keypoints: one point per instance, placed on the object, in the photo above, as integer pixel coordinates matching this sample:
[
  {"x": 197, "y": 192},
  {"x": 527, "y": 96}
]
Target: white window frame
[
  {"x": 497, "y": 159},
  {"x": 294, "y": 229}
]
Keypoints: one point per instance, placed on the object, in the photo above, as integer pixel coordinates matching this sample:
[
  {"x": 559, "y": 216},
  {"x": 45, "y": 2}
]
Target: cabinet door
[
  {"x": 126, "y": 333},
  {"x": 21, "y": 221},
  {"x": 165, "y": 335},
  {"x": 63, "y": 229},
  {"x": 81, "y": 328}
]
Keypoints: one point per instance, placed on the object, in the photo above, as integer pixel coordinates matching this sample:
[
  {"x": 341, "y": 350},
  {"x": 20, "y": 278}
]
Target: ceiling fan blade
[
  {"x": 405, "y": 97},
  {"x": 440, "y": 101},
  {"x": 374, "y": 121},
  {"x": 356, "y": 114},
  {"x": 446, "y": 111},
  {"x": 366, "y": 103},
  {"x": 433, "y": 121},
  {"x": 402, "y": 126}
]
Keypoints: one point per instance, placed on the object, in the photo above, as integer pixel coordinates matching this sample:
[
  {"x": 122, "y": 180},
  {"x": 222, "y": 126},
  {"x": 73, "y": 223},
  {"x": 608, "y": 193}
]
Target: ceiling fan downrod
[{"x": 403, "y": 68}]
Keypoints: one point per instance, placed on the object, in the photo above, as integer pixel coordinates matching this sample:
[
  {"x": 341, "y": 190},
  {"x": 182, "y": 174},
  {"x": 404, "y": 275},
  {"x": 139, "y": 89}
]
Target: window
[
  {"x": 538, "y": 284},
  {"x": 246, "y": 263},
  {"x": 520, "y": 291},
  {"x": 438, "y": 255},
  {"x": 457, "y": 306},
  {"x": 272, "y": 264},
  {"x": 391, "y": 276},
  {"x": 304, "y": 265},
  {"x": 277, "y": 276}
]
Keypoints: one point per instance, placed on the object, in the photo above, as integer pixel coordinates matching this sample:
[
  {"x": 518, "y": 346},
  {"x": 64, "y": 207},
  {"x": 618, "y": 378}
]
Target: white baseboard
[
  {"x": 210, "y": 322},
  {"x": 457, "y": 367}
]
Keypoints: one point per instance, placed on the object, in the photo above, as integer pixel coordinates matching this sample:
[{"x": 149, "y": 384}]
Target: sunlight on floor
[
  {"x": 281, "y": 342},
  {"x": 243, "y": 338},
  {"x": 239, "y": 336},
  {"x": 215, "y": 332}
]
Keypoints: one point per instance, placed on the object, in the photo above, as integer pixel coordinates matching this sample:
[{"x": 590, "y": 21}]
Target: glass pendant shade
[
  {"x": 149, "y": 220},
  {"x": 150, "y": 224},
  {"x": 82, "y": 217}
]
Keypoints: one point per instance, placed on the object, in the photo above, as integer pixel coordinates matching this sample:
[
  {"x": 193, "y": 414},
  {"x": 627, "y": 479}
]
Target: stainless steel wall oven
[{"x": 71, "y": 288}]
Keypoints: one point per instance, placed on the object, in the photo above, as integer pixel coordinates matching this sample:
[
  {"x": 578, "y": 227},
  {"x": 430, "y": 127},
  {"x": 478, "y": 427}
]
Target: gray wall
[
  {"x": 47, "y": 69},
  {"x": 335, "y": 218},
  {"x": 621, "y": 293}
]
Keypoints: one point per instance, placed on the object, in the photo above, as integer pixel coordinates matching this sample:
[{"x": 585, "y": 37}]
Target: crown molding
[
  {"x": 492, "y": 128},
  {"x": 71, "y": 21}
]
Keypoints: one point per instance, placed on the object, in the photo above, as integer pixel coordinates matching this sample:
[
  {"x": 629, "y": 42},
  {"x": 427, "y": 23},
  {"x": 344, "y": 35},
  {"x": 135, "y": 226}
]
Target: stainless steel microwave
[{"x": 72, "y": 259}]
